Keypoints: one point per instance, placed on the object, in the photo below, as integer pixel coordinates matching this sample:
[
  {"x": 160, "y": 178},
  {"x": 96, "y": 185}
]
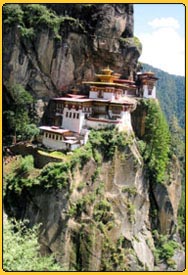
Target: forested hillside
[{"x": 171, "y": 93}]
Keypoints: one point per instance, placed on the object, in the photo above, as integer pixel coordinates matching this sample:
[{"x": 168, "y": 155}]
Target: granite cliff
[
  {"x": 89, "y": 37},
  {"x": 99, "y": 211}
]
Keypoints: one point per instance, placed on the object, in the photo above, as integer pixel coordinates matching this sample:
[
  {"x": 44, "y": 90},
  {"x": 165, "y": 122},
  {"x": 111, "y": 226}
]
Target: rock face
[
  {"x": 101, "y": 220},
  {"x": 46, "y": 66}
]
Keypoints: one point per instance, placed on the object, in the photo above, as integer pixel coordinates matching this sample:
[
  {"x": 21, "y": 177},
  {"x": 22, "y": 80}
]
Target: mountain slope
[{"x": 171, "y": 94}]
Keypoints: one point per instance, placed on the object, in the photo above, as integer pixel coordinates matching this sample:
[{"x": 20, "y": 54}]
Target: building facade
[{"x": 110, "y": 103}]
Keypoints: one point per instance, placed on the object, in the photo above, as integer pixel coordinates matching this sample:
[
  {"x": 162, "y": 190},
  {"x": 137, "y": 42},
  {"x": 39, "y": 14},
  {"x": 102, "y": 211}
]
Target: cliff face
[
  {"x": 103, "y": 218},
  {"x": 101, "y": 35}
]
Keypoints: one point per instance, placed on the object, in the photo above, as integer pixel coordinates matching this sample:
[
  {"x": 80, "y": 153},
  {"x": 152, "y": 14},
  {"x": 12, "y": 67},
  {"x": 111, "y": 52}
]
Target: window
[
  {"x": 56, "y": 137},
  {"x": 70, "y": 114},
  {"x": 46, "y": 135},
  {"x": 149, "y": 91},
  {"x": 49, "y": 135},
  {"x": 77, "y": 116},
  {"x": 74, "y": 115},
  {"x": 67, "y": 114},
  {"x": 53, "y": 136}
]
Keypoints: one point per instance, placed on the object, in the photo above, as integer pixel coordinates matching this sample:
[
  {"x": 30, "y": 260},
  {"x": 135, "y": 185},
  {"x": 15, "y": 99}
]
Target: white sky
[{"x": 161, "y": 29}]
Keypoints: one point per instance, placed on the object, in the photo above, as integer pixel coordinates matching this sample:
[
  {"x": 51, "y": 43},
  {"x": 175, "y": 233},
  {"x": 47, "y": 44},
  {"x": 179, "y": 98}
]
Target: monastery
[{"x": 110, "y": 103}]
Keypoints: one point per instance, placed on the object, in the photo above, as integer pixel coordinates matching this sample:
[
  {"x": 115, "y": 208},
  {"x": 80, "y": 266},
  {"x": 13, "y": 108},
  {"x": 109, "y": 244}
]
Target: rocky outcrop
[
  {"x": 47, "y": 66},
  {"x": 167, "y": 198}
]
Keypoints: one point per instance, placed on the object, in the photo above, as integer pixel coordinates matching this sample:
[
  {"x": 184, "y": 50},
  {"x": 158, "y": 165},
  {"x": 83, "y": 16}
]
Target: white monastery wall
[
  {"x": 54, "y": 144},
  {"x": 146, "y": 92},
  {"x": 93, "y": 94},
  {"x": 73, "y": 120},
  {"x": 109, "y": 96}
]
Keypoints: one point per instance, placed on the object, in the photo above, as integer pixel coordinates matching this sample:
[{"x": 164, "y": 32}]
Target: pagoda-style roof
[
  {"x": 72, "y": 99},
  {"x": 54, "y": 129},
  {"x": 76, "y": 96},
  {"x": 126, "y": 81},
  {"x": 107, "y": 71},
  {"x": 146, "y": 75},
  {"x": 107, "y": 75},
  {"x": 97, "y": 83}
]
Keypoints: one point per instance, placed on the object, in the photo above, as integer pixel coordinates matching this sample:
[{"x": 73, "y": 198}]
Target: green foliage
[
  {"x": 26, "y": 165},
  {"x": 12, "y": 14},
  {"x": 81, "y": 205},
  {"x": 27, "y": 32},
  {"x": 131, "y": 212},
  {"x": 114, "y": 255},
  {"x": 130, "y": 190},
  {"x": 107, "y": 141},
  {"x": 171, "y": 94},
  {"x": 81, "y": 186},
  {"x": 20, "y": 95},
  {"x": 137, "y": 43},
  {"x": 21, "y": 250},
  {"x": 17, "y": 117},
  {"x": 81, "y": 156},
  {"x": 182, "y": 218},
  {"x": 34, "y": 17},
  {"x": 37, "y": 16},
  {"x": 102, "y": 212},
  {"x": 19, "y": 177},
  {"x": 55, "y": 175},
  {"x": 165, "y": 248},
  {"x": 177, "y": 139},
  {"x": 131, "y": 41},
  {"x": 157, "y": 139},
  {"x": 141, "y": 146},
  {"x": 100, "y": 189},
  {"x": 30, "y": 131}
]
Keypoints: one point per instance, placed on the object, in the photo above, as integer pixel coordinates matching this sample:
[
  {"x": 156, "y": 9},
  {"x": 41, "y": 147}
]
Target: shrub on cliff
[{"x": 21, "y": 250}]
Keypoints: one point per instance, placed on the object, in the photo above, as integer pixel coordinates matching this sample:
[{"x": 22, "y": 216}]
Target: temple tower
[{"x": 147, "y": 84}]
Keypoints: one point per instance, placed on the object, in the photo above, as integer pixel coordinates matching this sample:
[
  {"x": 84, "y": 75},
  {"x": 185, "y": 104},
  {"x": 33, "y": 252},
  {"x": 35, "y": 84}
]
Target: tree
[
  {"x": 157, "y": 138},
  {"x": 17, "y": 116},
  {"x": 21, "y": 250}
]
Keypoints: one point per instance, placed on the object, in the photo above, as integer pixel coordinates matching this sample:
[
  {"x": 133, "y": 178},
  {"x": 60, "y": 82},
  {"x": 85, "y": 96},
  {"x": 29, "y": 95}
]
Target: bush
[
  {"x": 34, "y": 17},
  {"x": 106, "y": 142},
  {"x": 18, "y": 179},
  {"x": 12, "y": 14},
  {"x": 21, "y": 250},
  {"x": 165, "y": 248},
  {"x": 55, "y": 175}
]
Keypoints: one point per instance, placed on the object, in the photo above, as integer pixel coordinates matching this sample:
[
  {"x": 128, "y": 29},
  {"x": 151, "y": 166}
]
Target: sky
[{"x": 161, "y": 30}]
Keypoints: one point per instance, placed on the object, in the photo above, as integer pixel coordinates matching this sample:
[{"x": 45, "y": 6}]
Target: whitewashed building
[{"x": 110, "y": 103}]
